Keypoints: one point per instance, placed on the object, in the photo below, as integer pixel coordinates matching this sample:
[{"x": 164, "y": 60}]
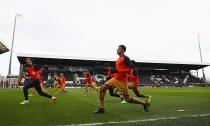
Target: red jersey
[
  {"x": 122, "y": 67},
  {"x": 62, "y": 80},
  {"x": 88, "y": 79},
  {"x": 33, "y": 72},
  {"x": 134, "y": 77}
]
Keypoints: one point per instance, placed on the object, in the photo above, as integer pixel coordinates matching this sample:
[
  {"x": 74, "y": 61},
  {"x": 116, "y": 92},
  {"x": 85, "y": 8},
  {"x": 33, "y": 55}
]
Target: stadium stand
[{"x": 151, "y": 73}]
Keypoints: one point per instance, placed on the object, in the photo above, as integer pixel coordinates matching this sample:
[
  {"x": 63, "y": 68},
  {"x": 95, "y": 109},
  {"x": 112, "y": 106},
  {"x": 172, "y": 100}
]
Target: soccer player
[
  {"x": 33, "y": 71},
  {"x": 89, "y": 83},
  {"x": 62, "y": 82},
  {"x": 75, "y": 79},
  {"x": 55, "y": 81},
  {"x": 134, "y": 81},
  {"x": 120, "y": 81}
]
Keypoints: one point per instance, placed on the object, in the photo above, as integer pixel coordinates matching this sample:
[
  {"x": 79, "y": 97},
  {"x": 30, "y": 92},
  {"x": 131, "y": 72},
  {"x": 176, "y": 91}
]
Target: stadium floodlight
[
  {"x": 10, "y": 61},
  {"x": 198, "y": 39}
]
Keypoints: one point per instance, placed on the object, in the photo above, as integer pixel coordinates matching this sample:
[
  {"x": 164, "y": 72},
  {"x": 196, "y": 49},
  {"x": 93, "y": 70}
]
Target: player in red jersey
[
  {"x": 62, "y": 83},
  {"x": 33, "y": 72},
  {"x": 134, "y": 82},
  {"x": 120, "y": 81},
  {"x": 89, "y": 82}
]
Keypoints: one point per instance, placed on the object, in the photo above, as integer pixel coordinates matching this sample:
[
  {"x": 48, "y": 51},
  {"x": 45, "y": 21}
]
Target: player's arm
[
  {"x": 21, "y": 75},
  {"x": 18, "y": 81}
]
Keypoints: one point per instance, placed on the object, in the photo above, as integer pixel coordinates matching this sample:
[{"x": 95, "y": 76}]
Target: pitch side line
[{"x": 134, "y": 121}]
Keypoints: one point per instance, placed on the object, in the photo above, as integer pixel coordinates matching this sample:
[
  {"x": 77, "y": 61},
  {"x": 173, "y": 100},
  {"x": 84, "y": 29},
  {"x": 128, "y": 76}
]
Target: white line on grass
[{"x": 134, "y": 121}]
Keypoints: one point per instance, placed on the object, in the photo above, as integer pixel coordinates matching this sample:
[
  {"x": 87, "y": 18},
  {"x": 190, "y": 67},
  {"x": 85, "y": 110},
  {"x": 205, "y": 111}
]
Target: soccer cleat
[
  {"x": 146, "y": 107},
  {"x": 24, "y": 102},
  {"x": 53, "y": 100},
  {"x": 150, "y": 99},
  {"x": 123, "y": 102},
  {"x": 100, "y": 110}
]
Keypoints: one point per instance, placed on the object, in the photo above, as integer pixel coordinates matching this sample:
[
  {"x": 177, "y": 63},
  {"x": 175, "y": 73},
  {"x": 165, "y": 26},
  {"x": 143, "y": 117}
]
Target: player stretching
[
  {"x": 34, "y": 72},
  {"x": 120, "y": 82},
  {"x": 134, "y": 81}
]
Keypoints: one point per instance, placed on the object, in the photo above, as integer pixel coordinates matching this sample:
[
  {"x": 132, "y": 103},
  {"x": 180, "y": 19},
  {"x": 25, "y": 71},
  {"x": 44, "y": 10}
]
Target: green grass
[{"x": 77, "y": 109}]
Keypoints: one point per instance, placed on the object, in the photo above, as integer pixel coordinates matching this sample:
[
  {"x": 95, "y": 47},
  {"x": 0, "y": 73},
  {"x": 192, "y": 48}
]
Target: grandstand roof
[
  {"x": 90, "y": 61},
  {"x": 3, "y": 47}
]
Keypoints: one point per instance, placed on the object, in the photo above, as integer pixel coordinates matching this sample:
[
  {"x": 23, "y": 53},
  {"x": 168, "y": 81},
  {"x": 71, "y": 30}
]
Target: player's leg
[
  {"x": 63, "y": 89},
  {"x": 25, "y": 92},
  {"x": 54, "y": 84},
  {"x": 33, "y": 92},
  {"x": 94, "y": 88},
  {"x": 125, "y": 91},
  {"x": 138, "y": 94},
  {"x": 101, "y": 97},
  {"x": 102, "y": 94},
  {"x": 41, "y": 93},
  {"x": 42, "y": 86},
  {"x": 90, "y": 88},
  {"x": 56, "y": 88},
  {"x": 112, "y": 93},
  {"x": 137, "y": 101},
  {"x": 123, "y": 87}
]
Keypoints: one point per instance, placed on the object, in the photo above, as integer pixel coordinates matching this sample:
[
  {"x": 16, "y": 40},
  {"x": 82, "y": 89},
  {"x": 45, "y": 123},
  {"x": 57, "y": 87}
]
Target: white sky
[{"x": 151, "y": 29}]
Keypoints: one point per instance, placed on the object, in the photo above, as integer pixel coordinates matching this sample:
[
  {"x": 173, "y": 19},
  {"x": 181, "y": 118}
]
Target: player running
[
  {"x": 89, "y": 83},
  {"x": 120, "y": 81},
  {"x": 75, "y": 80},
  {"x": 62, "y": 83},
  {"x": 134, "y": 81},
  {"x": 33, "y": 72}
]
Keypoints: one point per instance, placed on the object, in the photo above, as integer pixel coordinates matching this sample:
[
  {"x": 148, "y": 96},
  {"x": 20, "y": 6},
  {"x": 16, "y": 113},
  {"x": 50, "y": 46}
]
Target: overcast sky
[{"x": 151, "y": 29}]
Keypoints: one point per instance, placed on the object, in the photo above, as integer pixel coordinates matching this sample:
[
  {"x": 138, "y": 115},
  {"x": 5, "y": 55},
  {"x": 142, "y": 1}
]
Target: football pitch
[{"x": 169, "y": 106}]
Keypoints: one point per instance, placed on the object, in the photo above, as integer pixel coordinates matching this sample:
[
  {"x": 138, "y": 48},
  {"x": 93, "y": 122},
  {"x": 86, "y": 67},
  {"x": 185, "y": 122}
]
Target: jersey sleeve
[{"x": 127, "y": 62}]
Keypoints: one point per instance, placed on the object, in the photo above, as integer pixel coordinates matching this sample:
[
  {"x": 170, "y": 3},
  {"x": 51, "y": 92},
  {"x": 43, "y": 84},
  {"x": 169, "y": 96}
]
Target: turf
[{"x": 77, "y": 109}]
